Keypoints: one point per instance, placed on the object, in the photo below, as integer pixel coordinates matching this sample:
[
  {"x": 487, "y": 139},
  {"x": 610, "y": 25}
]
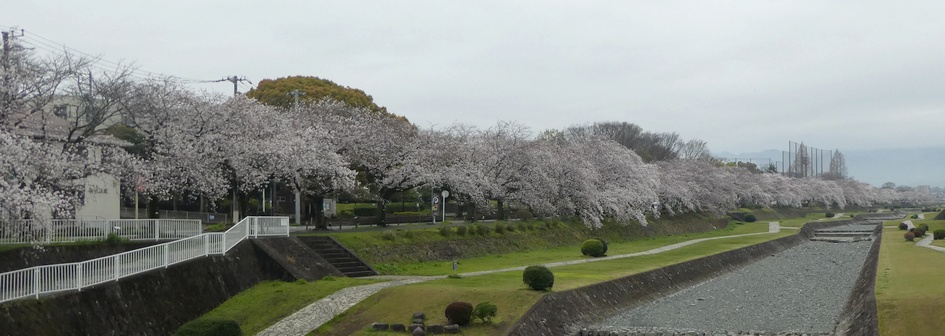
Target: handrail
[
  {"x": 28, "y": 231},
  {"x": 45, "y": 279}
]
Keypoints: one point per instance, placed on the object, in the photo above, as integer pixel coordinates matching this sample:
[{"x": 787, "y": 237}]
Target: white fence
[
  {"x": 32, "y": 282},
  {"x": 26, "y": 231}
]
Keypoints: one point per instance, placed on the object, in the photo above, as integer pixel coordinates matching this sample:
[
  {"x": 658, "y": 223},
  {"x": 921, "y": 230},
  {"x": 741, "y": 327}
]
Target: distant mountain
[{"x": 902, "y": 166}]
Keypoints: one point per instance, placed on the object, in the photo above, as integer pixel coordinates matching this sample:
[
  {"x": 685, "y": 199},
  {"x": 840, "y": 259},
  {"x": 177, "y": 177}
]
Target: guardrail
[
  {"x": 46, "y": 279},
  {"x": 27, "y": 231}
]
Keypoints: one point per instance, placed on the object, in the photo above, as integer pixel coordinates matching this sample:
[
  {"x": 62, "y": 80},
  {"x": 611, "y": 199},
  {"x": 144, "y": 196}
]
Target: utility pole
[
  {"x": 298, "y": 194},
  {"x": 235, "y": 80}
]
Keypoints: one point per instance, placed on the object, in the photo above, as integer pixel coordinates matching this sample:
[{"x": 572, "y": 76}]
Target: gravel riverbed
[{"x": 800, "y": 290}]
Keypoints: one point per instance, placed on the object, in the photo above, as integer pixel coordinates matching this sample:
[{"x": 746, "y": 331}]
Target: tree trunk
[
  {"x": 501, "y": 207},
  {"x": 153, "y": 207},
  {"x": 382, "y": 212},
  {"x": 318, "y": 212},
  {"x": 471, "y": 213}
]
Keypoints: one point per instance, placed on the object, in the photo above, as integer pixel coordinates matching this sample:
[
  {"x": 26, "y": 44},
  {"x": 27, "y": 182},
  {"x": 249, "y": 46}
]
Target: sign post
[{"x": 445, "y": 195}]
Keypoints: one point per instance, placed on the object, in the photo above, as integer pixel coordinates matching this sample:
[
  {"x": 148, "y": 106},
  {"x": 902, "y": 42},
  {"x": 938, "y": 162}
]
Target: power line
[{"x": 49, "y": 45}]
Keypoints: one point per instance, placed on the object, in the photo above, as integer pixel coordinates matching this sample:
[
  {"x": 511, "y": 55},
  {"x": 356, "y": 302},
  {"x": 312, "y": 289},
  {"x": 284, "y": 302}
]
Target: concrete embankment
[
  {"x": 567, "y": 312},
  {"x": 152, "y": 303}
]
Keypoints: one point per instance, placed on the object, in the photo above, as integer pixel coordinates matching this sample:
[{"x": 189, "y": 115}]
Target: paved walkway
[
  {"x": 927, "y": 242},
  {"x": 313, "y": 316}
]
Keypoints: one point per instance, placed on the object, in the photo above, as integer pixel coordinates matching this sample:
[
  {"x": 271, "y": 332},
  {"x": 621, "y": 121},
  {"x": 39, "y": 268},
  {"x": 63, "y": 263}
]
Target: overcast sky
[{"x": 742, "y": 75}]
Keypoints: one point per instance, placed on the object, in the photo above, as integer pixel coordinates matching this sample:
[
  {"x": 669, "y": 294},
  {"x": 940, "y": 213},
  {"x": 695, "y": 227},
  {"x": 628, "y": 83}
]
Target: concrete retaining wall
[
  {"x": 31, "y": 256},
  {"x": 153, "y": 303},
  {"x": 859, "y": 316},
  {"x": 566, "y": 312}
]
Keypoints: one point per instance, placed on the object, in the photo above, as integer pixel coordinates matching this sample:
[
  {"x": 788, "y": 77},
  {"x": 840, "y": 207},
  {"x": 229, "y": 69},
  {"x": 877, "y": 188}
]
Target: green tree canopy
[{"x": 275, "y": 92}]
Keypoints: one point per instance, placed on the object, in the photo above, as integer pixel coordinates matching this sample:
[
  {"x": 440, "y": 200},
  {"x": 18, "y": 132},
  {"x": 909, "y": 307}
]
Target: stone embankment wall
[
  {"x": 566, "y": 312},
  {"x": 30, "y": 256},
  {"x": 153, "y": 303}
]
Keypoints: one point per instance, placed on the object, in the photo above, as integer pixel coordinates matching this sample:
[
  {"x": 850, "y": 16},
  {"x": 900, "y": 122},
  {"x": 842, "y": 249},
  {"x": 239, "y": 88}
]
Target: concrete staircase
[
  {"x": 846, "y": 233},
  {"x": 338, "y": 256}
]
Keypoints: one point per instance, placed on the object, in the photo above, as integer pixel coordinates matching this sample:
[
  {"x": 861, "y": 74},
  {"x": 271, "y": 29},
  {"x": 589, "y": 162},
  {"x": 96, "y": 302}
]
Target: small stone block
[
  {"x": 414, "y": 326},
  {"x": 380, "y": 326},
  {"x": 451, "y": 329},
  {"x": 419, "y": 315},
  {"x": 398, "y": 327},
  {"x": 435, "y": 329},
  {"x": 418, "y": 332},
  {"x": 418, "y": 321}
]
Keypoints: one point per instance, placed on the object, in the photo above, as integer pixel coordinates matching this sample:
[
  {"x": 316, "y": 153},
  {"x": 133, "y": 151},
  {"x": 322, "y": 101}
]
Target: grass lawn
[
  {"x": 556, "y": 254},
  {"x": 909, "y": 283},
  {"x": 268, "y": 302},
  {"x": 812, "y": 217},
  {"x": 395, "y": 305}
]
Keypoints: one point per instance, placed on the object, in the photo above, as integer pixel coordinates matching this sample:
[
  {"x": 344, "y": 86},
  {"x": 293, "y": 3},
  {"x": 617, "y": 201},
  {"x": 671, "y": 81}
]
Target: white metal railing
[
  {"x": 27, "y": 231},
  {"x": 75, "y": 276}
]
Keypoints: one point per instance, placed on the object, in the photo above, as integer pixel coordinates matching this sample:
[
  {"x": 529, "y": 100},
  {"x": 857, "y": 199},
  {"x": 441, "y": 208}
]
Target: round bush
[
  {"x": 830, "y": 215},
  {"x": 459, "y": 313},
  {"x": 210, "y": 327},
  {"x": 938, "y": 234},
  {"x": 592, "y": 247},
  {"x": 461, "y": 230},
  {"x": 903, "y": 226},
  {"x": 485, "y": 311},
  {"x": 751, "y": 218},
  {"x": 500, "y": 228},
  {"x": 909, "y": 236},
  {"x": 510, "y": 227},
  {"x": 482, "y": 230},
  {"x": 924, "y": 227},
  {"x": 538, "y": 277},
  {"x": 602, "y": 241},
  {"x": 919, "y": 232},
  {"x": 445, "y": 231}
]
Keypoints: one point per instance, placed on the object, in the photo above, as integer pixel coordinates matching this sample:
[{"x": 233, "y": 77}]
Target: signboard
[{"x": 436, "y": 200}]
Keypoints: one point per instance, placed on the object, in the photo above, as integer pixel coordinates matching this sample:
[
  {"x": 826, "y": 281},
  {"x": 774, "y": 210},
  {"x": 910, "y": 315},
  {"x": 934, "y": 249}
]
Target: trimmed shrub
[
  {"x": 459, "y": 313},
  {"x": 602, "y": 241},
  {"x": 524, "y": 214},
  {"x": 593, "y": 248},
  {"x": 113, "y": 239},
  {"x": 210, "y": 327},
  {"x": 938, "y": 234},
  {"x": 509, "y": 227},
  {"x": 830, "y": 215},
  {"x": 445, "y": 231},
  {"x": 500, "y": 228},
  {"x": 909, "y": 236},
  {"x": 918, "y": 232},
  {"x": 751, "y": 218},
  {"x": 924, "y": 227},
  {"x": 461, "y": 230},
  {"x": 522, "y": 227},
  {"x": 482, "y": 230},
  {"x": 485, "y": 311},
  {"x": 903, "y": 226},
  {"x": 538, "y": 277},
  {"x": 364, "y": 212}
]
